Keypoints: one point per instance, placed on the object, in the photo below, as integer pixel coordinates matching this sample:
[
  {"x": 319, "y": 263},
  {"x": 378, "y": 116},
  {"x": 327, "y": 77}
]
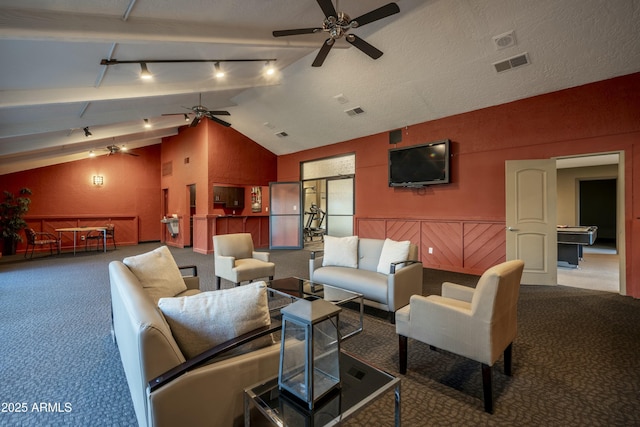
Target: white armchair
[
  {"x": 479, "y": 324},
  {"x": 235, "y": 259}
]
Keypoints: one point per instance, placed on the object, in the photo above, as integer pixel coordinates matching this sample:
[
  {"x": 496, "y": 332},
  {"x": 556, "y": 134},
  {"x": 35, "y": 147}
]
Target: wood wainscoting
[
  {"x": 463, "y": 246},
  {"x": 126, "y": 228}
]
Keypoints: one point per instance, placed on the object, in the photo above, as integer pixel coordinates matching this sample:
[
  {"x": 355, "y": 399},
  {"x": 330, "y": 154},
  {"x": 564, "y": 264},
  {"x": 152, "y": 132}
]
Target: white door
[{"x": 531, "y": 219}]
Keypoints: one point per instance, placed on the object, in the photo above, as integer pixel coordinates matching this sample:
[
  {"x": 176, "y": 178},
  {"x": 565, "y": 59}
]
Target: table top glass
[
  {"x": 361, "y": 384},
  {"x": 303, "y": 288},
  {"x": 295, "y": 287}
]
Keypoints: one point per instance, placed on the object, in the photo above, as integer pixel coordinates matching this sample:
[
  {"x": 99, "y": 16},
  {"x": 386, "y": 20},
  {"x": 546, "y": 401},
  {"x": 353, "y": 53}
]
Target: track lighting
[
  {"x": 268, "y": 69},
  {"x": 144, "y": 72},
  {"x": 218, "y": 72},
  {"x": 86, "y": 132},
  {"x": 146, "y": 123},
  {"x": 92, "y": 154},
  {"x": 186, "y": 118}
]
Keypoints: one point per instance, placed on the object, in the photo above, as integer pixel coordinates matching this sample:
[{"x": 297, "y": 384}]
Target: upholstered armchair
[
  {"x": 479, "y": 324},
  {"x": 236, "y": 260}
]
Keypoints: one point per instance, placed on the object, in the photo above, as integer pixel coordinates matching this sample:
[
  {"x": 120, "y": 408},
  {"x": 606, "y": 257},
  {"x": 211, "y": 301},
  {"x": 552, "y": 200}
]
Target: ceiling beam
[{"x": 50, "y": 25}]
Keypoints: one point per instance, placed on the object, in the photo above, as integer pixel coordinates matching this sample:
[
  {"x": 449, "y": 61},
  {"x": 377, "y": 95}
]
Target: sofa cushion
[
  {"x": 373, "y": 286},
  {"x": 340, "y": 251},
  {"x": 157, "y": 272},
  {"x": 393, "y": 251},
  {"x": 200, "y": 322}
]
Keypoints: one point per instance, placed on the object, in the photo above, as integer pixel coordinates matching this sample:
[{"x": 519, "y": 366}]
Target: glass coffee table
[
  {"x": 361, "y": 385},
  {"x": 304, "y": 288}
]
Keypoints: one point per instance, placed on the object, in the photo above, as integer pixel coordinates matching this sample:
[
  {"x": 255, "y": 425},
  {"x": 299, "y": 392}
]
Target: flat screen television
[{"x": 419, "y": 165}]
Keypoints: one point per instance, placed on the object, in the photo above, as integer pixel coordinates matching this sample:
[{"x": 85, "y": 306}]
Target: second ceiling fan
[
  {"x": 201, "y": 112},
  {"x": 338, "y": 24}
]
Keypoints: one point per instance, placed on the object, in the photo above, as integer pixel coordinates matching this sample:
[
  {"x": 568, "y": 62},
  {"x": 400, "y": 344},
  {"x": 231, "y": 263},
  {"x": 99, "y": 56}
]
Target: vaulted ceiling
[{"x": 439, "y": 59}]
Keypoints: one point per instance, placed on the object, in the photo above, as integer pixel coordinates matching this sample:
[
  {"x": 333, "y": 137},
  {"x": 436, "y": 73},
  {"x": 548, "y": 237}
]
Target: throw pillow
[
  {"x": 200, "y": 322},
  {"x": 157, "y": 272},
  {"x": 340, "y": 251},
  {"x": 393, "y": 251}
]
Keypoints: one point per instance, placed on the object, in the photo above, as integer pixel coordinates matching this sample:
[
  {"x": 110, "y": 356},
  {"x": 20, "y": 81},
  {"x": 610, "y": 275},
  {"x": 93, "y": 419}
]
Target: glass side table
[
  {"x": 361, "y": 385},
  {"x": 304, "y": 288}
]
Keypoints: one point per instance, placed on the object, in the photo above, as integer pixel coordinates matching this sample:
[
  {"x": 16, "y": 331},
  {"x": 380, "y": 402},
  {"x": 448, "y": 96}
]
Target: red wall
[
  {"x": 599, "y": 117},
  {"x": 210, "y": 155},
  {"x": 63, "y": 195}
]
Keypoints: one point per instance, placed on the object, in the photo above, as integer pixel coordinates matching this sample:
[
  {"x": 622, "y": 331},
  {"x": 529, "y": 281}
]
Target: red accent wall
[
  {"x": 465, "y": 218},
  {"x": 64, "y": 196},
  {"x": 210, "y": 155}
]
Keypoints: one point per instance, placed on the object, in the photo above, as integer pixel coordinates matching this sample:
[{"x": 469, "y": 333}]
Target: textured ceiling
[{"x": 438, "y": 61}]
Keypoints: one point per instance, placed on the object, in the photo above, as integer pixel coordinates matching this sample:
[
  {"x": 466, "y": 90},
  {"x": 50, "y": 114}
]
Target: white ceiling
[{"x": 437, "y": 61}]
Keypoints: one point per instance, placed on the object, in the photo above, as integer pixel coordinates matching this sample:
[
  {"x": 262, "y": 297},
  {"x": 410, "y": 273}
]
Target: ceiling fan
[
  {"x": 115, "y": 149},
  {"x": 338, "y": 24},
  {"x": 201, "y": 112}
]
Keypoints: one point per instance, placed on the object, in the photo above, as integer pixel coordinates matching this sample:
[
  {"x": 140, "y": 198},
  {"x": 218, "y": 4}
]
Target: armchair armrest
[
  {"x": 194, "y": 270},
  {"x": 210, "y": 354},
  {"x": 262, "y": 256},
  {"x": 192, "y": 281},
  {"x": 458, "y": 292}
]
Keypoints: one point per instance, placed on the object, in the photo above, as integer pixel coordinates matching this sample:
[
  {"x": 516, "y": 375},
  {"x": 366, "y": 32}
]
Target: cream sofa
[
  {"x": 389, "y": 290},
  {"x": 168, "y": 389}
]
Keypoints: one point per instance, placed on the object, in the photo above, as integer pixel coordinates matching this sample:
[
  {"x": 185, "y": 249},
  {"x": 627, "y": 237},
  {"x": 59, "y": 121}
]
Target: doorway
[{"x": 591, "y": 193}]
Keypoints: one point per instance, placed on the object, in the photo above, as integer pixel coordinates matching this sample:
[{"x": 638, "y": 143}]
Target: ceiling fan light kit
[{"x": 338, "y": 25}]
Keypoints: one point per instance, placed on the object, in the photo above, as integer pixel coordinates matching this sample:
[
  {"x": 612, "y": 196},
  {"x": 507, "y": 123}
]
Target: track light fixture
[
  {"x": 86, "y": 132},
  {"x": 186, "y": 118},
  {"x": 268, "y": 69},
  {"x": 144, "y": 72},
  {"x": 218, "y": 72},
  {"x": 146, "y": 123}
]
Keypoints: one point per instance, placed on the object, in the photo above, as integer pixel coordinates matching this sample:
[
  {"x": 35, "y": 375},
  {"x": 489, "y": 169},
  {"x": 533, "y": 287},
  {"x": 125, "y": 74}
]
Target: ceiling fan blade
[
  {"x": 364, "y": 46},
  {"x": 219, "y": 113},
  {"x": 195, "y": 122},
  {"x": 219, "y": 121},
  {"x": 327, "y": 8},
  {"x": 324, "y": 51},
  {"x": 374, "y": 15},
  {"x": 132, "y": 154},
  {"x": 281, "y": 33}
]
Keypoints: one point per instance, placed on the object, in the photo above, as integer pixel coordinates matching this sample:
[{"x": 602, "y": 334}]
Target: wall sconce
[{"x": 98, "y": 180}]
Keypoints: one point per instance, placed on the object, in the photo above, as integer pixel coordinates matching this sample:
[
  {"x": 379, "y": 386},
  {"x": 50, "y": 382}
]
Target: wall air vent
[
  {"x": 282, "y": 134},
  {"x": 354, "y": 111},
  {"x": 513, "y": 62}
]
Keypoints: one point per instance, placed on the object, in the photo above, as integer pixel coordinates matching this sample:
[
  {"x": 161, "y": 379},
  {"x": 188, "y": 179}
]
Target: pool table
[{"x": 572, "y": 239}]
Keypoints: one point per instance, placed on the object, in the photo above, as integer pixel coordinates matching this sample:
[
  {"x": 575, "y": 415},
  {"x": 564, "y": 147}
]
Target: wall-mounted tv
[{"x": 419, "y": 165}]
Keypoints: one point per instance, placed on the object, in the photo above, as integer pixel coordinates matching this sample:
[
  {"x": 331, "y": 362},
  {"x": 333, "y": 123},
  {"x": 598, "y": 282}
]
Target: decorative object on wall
[
  {"x": 338, "y": 24},
  {"x": 12, "y": 211},
  {"x": 256, "y": 199},
  {"x": 98, "y": 180}
]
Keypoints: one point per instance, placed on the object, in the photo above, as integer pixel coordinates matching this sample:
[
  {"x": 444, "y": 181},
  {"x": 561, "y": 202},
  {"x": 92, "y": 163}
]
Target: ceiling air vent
[
  {"x": 282, "y": 134},
  {"x": 505, "y": 40},
  {"x": 354, "y": 111},
  {"x": 514, "y": 62}
]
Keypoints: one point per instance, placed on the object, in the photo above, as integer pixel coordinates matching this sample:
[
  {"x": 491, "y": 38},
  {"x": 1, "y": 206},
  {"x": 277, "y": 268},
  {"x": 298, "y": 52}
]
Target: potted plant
[{"x": 12, "y": 210}]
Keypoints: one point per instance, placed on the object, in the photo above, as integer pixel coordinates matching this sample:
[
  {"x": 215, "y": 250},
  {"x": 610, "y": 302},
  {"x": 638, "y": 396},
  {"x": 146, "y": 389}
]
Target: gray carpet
[{"x": 575, "y": 359}]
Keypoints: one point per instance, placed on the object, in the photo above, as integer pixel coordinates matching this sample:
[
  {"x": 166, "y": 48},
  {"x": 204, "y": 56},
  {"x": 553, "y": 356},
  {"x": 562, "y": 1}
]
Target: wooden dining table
[{"x": 75, "y": 231}]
